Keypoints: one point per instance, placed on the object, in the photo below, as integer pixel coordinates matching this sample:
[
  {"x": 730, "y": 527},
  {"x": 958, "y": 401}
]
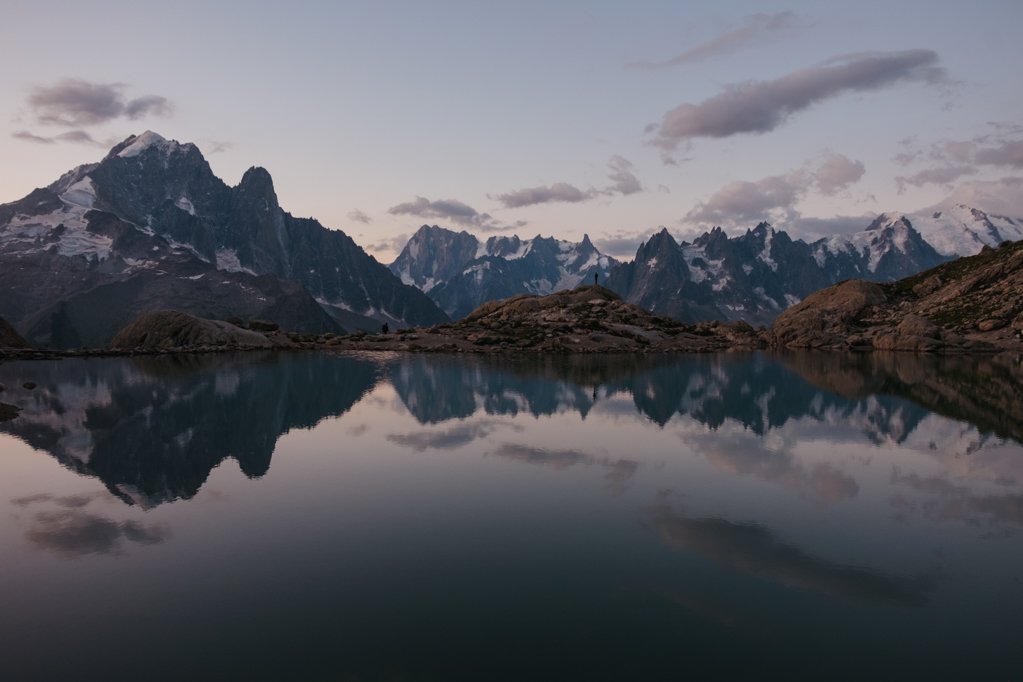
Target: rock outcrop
[
  {"x": 972, "y": 304},
  {"x": 173, "y": 330},
  {"x": 588, "y": 319}
]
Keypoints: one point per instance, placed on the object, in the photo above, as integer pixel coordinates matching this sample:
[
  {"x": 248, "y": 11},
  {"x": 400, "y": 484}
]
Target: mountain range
[
  {"x": 150, "y": 226},
  {"x": 459, "y": 272},
  {"x": 752, "y": 276}
]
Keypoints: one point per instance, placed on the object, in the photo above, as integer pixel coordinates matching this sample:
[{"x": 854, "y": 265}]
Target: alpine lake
[{"x": 318, "y": 516}]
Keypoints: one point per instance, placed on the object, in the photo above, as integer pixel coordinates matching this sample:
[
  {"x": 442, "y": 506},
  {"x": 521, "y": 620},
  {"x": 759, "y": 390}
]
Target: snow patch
[
  {"x": 33, "y": 233},
  {"x": 145, "y": 141},
  {"x": 765, "y": 255},
  {"x": 82, "y": 193},
  {"x": 227, "y": 260},
  {"x": 185, "y": 205}
]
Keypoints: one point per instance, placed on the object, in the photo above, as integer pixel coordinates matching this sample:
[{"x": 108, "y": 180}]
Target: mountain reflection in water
[
  {"x": 565, "y": 517},
  {"x": 153, "y": 428}
]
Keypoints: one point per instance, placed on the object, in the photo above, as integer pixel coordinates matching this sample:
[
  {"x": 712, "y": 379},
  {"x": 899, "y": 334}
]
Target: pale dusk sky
[{"x": 553, "y": 118}]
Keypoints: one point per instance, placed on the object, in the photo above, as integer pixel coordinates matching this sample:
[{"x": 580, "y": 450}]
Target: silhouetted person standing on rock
[
  {"x": 595, "y": 276},
  {"x": 384, "y": 329}
]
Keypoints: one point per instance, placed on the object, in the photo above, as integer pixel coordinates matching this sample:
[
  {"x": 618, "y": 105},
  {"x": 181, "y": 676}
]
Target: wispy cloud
[
  {"x": 774, "y": 198},
  {"x": 622, "y": 244},
  {"x": 453, "y": 211},
  {"x": 32, "y": 137},
  {"x": 617, "y": 471},
  {"x": 446, "y": 439},
  {"x": 740, "y": 202},
  {"x": 753, "y": 29},
  {"x": 836, "y": 172},
  {"x": 623, "y": 179},
  {"x": 756, "y": 550},
  {"x": 949, "y": 160},
  {"x": 620, "y": 173},
  {"x": 389, "y": 245},
  {"x": 73, "y": 102},
  {"x": 216, "y": 146},
  {"x": 1006, "y": 154},
  {"x": 545, "y": 194},
  {"x": 62, "y": 524},
  {"x": 944, "y": 175},
  {"x": 762, "y": 106},
  {"x": 73, "y": 136},
  {"x": 359, "y": 217}
]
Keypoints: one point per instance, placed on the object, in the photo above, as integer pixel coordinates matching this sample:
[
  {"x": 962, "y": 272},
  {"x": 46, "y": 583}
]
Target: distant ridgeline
[{"x": 751, "y": 277}]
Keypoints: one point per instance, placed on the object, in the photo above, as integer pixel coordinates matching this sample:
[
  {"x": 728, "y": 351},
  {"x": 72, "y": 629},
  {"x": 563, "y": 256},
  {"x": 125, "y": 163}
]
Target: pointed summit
[{"x": 136, "y": 145}]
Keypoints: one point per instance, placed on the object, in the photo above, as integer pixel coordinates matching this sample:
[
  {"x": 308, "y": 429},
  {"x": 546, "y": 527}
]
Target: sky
[{"x": 557, "y": 118}]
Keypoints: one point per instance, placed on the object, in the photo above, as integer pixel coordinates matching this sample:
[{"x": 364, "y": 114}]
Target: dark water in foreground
[{"x": 402, "y": 518}]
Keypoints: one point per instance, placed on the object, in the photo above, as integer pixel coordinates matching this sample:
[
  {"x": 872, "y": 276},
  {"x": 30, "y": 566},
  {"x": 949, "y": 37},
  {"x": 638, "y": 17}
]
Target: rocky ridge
[
  {"x": 973, "y": 304},
  {"x": 756, "y": 275},
  {"x": 588, "y": 319}
]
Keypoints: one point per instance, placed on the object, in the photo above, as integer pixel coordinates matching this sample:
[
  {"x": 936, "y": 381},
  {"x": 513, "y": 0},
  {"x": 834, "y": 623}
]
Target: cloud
[
  {"x": 617, "y": 471},
  {"x": 359, "y": 217},
  {"x": 755, "y": 550},
  {"x": 74, "y": 136},
  {"x": 623, "y": 180},
  {"x": 753, "y": 28},
  {"x": 622, "y": 244},
  {"x": 774, "y": 198},
  {"x": 545, "y": 194},
  {"x": 812, "y": 228},
  {"x": 148, "y": 105},
  {"x": 454, "y": 211},
  {"x": 744, "y": 454},
  {"x": 391, "y": 245},
  {"x": 66, "y": 501},
  {"x": 447, "y": 439},
  {"x": 953, "y": 159},
  {"x": 934, "y": 176},
  {"x": 76, "y": 533},
  {"x": 954, "y": 502},
  {"x": 1002, "y": 197},
  {"x": 741, "y": 201},
  {"x": 836, "y": 172},
  {"x": 31, "y": 137},
  {"x": 72, "y": 531},
  {"x": 72, "y": 102},
  {"x": 1007, "y": 154},
  {"x": 216, "y": 146},
  {"x": 762, "y": 106}
]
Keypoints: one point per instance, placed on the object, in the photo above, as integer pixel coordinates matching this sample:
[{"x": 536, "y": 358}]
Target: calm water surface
[{"x": 385, "y": 517}]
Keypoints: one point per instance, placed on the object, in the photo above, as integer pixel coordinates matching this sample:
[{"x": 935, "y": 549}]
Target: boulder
[{"x": 825, "y": 319}]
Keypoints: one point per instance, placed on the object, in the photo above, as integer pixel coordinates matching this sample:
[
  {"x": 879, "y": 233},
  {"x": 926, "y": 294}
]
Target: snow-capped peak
[
  {"x": 955, "y": 229},
  {"x": 145, "y": 141}
]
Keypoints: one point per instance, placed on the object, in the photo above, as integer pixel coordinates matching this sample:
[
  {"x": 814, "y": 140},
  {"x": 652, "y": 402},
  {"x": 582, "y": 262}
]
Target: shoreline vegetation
[{"x": 972, "y": 305}]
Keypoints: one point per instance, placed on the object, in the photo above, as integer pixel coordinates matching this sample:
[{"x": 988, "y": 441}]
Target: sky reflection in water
[{"x": 411, "y": 517}]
